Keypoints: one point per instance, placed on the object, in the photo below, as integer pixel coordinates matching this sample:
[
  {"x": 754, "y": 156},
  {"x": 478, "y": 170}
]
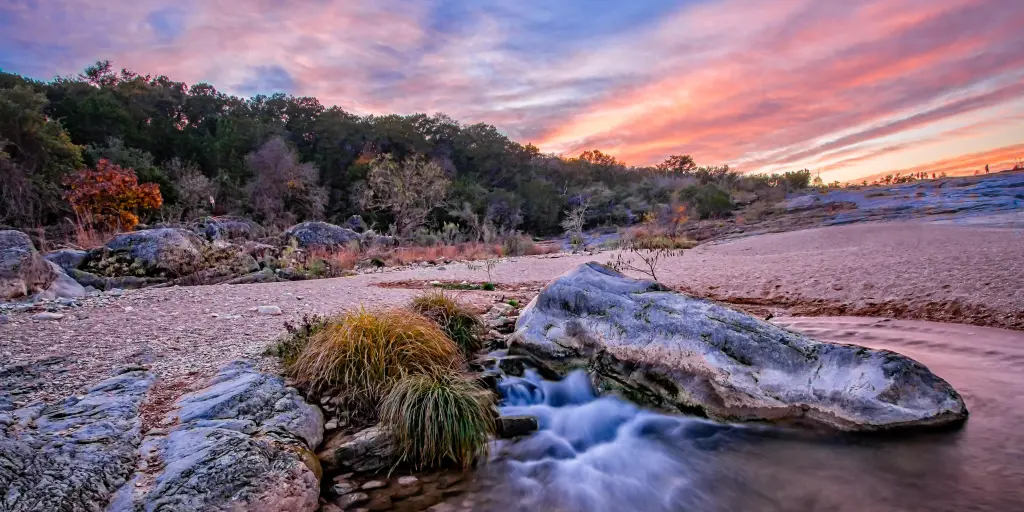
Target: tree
[
  {"x": 283, "y": 190},
  {"x": 195, "y": 192},
  {"x": 410, "y": 190},
  {"x": 35, "y": 153},
  {"x": 574, "y": 221},
  {"x": 109, "y": 196},
  {"x": 680, "y": 165}
]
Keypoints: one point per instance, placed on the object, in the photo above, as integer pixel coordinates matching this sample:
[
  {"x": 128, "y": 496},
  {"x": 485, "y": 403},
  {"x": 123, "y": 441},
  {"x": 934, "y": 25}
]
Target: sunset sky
[{"x": 847, "y": 88}]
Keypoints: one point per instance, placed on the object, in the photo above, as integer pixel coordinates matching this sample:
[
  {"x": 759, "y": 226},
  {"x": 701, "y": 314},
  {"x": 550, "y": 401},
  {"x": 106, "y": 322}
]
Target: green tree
[{"x": 35, "y": 153}]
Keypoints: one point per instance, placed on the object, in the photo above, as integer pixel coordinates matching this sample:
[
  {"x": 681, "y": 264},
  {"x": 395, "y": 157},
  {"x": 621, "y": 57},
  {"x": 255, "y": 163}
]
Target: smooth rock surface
[
  {"x": 365, "y": 451},
  {"x": 242, "y": 443},
  {"x": 72, "y": 455},
  {"x": 63, "y": 286},
  {"x": 23, "y": 271},
  {"x": 67, "y": 259},
  {"x": 320, "y": 235},
  {"x": 678, "y": 352}
]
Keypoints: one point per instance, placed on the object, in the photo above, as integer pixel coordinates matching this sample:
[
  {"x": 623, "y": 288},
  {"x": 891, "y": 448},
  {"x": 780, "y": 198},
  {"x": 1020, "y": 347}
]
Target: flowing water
[{"x": 601, "y": 453}]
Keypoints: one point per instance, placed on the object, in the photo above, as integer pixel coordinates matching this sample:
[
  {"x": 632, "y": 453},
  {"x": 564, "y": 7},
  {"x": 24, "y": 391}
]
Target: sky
[{"x": 845, "y": 88}]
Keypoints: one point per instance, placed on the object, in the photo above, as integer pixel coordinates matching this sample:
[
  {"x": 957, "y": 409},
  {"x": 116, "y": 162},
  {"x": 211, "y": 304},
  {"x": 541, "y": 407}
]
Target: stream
[{"x": 601, "y": 453}]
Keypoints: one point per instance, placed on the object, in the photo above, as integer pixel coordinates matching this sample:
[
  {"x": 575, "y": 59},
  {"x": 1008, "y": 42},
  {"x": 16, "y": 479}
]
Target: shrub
[
  {"x": 296, "y": 338},
  {"x": 517, "y": 245},
  {"x": 361, "y": 355},
  {"x": 110, "y": 196},
  {"x": 458, "y": 322},
  {"x": 438, "y": 419},
  {"x": 709, "y": 200}
]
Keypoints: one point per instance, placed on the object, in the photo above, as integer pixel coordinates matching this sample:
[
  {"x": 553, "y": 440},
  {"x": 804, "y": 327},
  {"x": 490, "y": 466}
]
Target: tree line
[{"x": 281, "y": 159}]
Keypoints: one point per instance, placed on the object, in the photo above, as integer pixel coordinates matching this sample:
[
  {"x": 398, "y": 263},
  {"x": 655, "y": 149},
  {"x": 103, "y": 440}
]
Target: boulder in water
[
  {"x": 677, "y": 352},
  {"x": 320, "y": 235}
]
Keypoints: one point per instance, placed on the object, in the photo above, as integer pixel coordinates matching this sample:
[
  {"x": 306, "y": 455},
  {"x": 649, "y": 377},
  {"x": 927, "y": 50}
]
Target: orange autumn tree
[{"x": 110, "y": 196}]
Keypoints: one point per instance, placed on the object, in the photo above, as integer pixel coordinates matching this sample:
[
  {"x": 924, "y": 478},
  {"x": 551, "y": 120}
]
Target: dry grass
[
  {"x": 361, "y": 355},
  {"x": 437, "y": 419},
  {"x": 460, "y": 323},
  {"x": 341, "y": 260}
]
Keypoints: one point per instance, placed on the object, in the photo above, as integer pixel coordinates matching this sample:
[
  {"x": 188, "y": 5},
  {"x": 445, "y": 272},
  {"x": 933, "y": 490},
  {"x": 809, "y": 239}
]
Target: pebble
[
  {"x": 343, "y": 488},
  {"x": 331, "y": 425},
  {"x": 128, "y": 309},
  {"x": 269, "y": 310},
  {"x": 46, "y": 315},
  {"x": 373, "y": 484},
  {"x": 408, "y": 480},
  {"x": 354, "y": 498}
]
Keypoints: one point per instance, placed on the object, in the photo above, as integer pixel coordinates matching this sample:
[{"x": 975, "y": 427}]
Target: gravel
[{"x": 187, "y": 333}]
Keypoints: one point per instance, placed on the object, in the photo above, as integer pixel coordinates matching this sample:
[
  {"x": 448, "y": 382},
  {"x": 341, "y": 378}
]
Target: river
[{"x": 604, "y": 454}]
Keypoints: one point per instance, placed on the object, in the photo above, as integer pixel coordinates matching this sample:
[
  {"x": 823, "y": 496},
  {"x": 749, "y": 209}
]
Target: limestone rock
[
  {"x": 67, "y": 259},
  {"x": 23, "y": 271},
  {"x": 47, "y": 315},
  {"x": 678, "y": 352},
  {"x": 63, "y": 286},
  {"x": 509, "y": 427},
  {"x": 242, "y": 443},
  {"x": 320, "y": 235},
  {"x": 161, "y": 252},
  {"x": 269, "y": 310},
  {"x": 73, "y": 454},
  {"x": 230, "y": 228},
  {"x": 355, "y": 223},
  {"x": 365, "y": 451}
]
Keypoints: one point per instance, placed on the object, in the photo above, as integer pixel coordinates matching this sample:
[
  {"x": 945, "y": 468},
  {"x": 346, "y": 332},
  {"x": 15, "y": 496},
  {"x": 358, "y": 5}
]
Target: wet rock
[
  {"x": 373, "y": 484},
  {"x": 73, "y": 454},
  {"x": 677, "y": 352},
  {"x": 509, "y": 427},
  {"x": 320, "y": 235},
  {"x": 342, "y": 488},
  {"x": 365, "y": 451},
  {"x": 23, "y": 271},
  {"x": 67, "y": 259},
  {"x": 242, "y": 443},
  {"x": 269, "y": 310},
  {"x": 352, "y": 499},
  {"x": 162, "y": 252},
  {"x": 513, "y": 366}
]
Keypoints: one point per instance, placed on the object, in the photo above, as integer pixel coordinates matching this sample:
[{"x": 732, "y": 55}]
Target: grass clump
[
  {"x": 439, "y": 419},
  {"x": 456, "y": 320},
  {"x": 361, "y": 355}
]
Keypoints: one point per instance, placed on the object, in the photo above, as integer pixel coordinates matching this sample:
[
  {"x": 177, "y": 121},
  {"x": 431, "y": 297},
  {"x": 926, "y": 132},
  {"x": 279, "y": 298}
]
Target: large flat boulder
[
  {"x": 161, "y": 252},
  {"x": 245, "y": 442},
  {"x": 71, "y": 455},
  {"x": 677, "y": 352},
  {"x": 320, "y": 235},
  {"x": 23, "y": 271}
]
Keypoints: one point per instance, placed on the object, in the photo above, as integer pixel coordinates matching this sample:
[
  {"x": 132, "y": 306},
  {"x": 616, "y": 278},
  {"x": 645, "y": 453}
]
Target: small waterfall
[{"x": 597, "y": 452}]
